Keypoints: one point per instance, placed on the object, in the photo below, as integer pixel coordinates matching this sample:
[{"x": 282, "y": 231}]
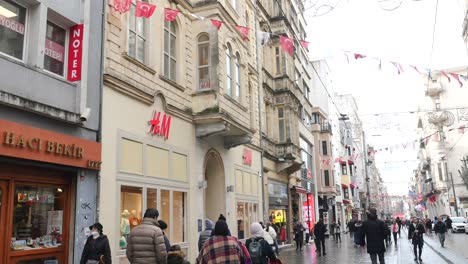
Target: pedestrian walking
[
  {"x": 260, "y": 251},
  {"x": 395, "y": 231},
  {"x": 272, "y": 234},
  {"x": 415, "y": 233},
  {"x": 221, "y": 247},
  {"x": 319, "y": 232},
  {"x": 338, "y": 231},
  {"x": 398, "y": 220},
  {"x": 163, "y": 227},
  {"x": 388, "y": 238},
  {"x": 205, "y": 234},
  {"x": 429, "y": 225},
  {"x": 96, "y": 249},
  {"x": 332, "y": 230},
  {"x": 373, "y": 233},
  {"x": 351, "y": 227},
  {"x": 306, "y": 232},
  {"x": 176, "y": 256},
  {"x": 221, "y": 218},
  {"x": 146, "y": 241},
  {"x": 299, "y": 236},
  {"x": 277, "y": 231},
  {"x": 357, "y": 232},
  {"x": 448, "y": 223},
  {"x": 440, "y": 229}
]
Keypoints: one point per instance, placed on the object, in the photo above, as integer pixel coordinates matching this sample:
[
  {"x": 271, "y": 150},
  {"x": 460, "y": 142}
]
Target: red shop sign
[
  {"x": 247, "y": 157},
  {"x": 75, "y": 51},
  {"x": 160, "y": 124}
]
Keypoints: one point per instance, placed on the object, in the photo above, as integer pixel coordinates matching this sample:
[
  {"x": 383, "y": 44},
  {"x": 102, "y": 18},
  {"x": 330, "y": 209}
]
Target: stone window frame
[
  {"x": 171, "y": 57},
  {"x": 143, "y": 35},
  {"x": 199, "y": 43}
]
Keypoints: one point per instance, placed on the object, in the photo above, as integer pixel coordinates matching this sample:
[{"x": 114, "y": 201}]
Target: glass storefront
[
  {"x": 246, "y": 215},
  {"x": 278, "y": 217}
]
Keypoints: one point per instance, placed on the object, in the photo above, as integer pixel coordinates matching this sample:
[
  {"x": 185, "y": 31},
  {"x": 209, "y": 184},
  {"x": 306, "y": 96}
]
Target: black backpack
[{"x": 256, "y": 251}]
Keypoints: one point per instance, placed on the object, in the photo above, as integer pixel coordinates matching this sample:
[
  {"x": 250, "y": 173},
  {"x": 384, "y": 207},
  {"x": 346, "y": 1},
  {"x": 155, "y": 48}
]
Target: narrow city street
[{"x": 346, "y": 252}]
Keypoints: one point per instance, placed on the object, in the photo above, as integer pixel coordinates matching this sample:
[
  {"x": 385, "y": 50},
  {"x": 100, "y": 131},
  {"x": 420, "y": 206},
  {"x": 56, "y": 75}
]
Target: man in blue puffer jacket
[{"x": 205, "y": 234}]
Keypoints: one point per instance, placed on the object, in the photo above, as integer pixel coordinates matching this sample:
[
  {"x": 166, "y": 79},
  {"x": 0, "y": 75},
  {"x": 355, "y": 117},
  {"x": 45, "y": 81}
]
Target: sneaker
[
  {"x": 420, "y": 259},
  {"x": 324, "y": 254}
]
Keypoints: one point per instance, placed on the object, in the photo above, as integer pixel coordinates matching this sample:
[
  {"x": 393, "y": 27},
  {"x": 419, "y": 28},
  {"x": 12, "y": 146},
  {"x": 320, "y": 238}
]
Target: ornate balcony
[{"x": 286, "y": 154}]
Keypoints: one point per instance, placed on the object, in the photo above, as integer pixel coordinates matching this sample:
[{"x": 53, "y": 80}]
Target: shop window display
[
  {"x": 49, "y": 260},
  {"x": 131, "y": 208},
  {"x": 246, "y": 215},
  {"x": 38, "y": 217}
]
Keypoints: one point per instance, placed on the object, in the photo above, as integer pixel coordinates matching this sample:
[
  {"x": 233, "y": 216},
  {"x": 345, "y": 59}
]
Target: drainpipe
[
  {"x": 84, "y": 110},
  {"x": 259, "y": 70}
]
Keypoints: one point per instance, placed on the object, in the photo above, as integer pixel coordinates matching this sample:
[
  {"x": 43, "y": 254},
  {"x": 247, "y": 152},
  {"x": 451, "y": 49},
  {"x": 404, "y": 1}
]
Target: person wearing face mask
[{"x": 97, "y": 249}]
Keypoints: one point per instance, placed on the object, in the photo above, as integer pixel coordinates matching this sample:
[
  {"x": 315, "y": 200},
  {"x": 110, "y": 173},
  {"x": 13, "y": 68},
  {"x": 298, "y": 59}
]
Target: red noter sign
[{"x": 75, "y": 51}]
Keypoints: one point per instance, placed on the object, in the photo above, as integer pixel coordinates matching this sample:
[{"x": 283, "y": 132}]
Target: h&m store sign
[{"x": 20, "y": 141}]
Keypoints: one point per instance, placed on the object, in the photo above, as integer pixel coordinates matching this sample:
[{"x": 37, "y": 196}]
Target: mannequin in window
[
  {"x": 124, "y": 228},
  {"x": 134, "y": 220}
]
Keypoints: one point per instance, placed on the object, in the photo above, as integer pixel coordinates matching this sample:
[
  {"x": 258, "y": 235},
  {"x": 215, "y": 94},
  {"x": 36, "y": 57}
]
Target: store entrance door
[{"x": 3, "y": 213}]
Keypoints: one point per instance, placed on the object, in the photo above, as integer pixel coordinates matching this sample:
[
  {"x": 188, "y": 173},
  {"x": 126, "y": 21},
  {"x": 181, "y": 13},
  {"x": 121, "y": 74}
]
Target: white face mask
[{"x": 95, "y": 234}]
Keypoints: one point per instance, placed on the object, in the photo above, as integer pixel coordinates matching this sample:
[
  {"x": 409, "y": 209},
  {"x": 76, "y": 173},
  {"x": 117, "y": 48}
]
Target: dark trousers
[
  {"x": 373, "y": 257},
  {"x": 320, "y": 244},
  {"x": 415, "y": 249},
  {"x": 276, "y": 247},
  {"x": 395, "y": 239},
  {"x": 299, "y": 243},
  {"x": 307, "y": 238},
  {"x": 338, "y": 236}
]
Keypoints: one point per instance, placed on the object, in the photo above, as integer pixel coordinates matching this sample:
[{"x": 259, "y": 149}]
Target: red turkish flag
[
  {"x": 244, "y": 31},
  {"x": 359, "y": 56},
  {"x": 287, "y": 44},
  {"x": 416, "y": 69},
  {"x": 122, "y": 6},
  {"x": 170, "y": 14},
  {"x": 216, "y": 23},
  {"x": 144, "y": 9},
  {"x": 457, "y": 77},
  {"x": 445, "y": 74},
  {"x": 304, "y": 44},
  {"x": 461, "y": 130}
]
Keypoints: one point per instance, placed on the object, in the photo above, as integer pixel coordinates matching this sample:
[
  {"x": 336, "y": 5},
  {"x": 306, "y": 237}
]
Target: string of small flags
[
  {"x": 400, "y": 69},
  {"x": 144, "y": 9}
]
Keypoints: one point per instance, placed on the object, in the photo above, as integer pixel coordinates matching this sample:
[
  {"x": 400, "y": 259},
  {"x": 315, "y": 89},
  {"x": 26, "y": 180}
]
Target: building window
[
  {"x": 315, "y": 118},
  {"x": 352, "y": 192},
  {"x": 136, "y": 35},
  {"x": 324, "y": 148},
  {"x": 306, "y": 153},
  {"x": 350, "y": 170},
  {"x": 326, "y": 176},
  {"x": 278, "y": 60},
  {"x": 204, "y": 62},
  {"x": 345, "y": 193},
  {"x": 12, "y": 29},
  {"x": 344, "y": 169},
  {"x": 237, "y": 72},
  {"x": 306, "y": 90},
  {"x": 170, "y": 47},
  {"x": 54, "y": 53},
  {"x": 283, "y": 124},
  {"x": 170, "y": 204},
  {"x": 228, "y": 71},
  {"x": 246, "y": 215},
  {"x": 38, "y": 214},
  {"x": 307, "y": 118},
  {"x": 439, "y": 168}
]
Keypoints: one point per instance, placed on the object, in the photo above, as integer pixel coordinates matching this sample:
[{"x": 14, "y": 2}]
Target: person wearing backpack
[{"x": 259, "y": 249}]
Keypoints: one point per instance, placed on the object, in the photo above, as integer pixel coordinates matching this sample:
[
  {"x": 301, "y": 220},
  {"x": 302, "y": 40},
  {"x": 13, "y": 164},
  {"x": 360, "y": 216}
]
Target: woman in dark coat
[
  {"x": 374, "y": 231},
  {"x": 415, "y": 233},
  {"x": 299, "y": 236},
  {"x": 319, "y": 232},
  {"x": 97, "y": 249}
]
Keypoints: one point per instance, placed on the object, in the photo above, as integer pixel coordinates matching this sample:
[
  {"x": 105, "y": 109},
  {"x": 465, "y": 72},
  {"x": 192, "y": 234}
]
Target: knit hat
[
  {"x": 221, "y": 228},
  {"x": 256, "y": 230},
  {"x": 222, "y": 217},
  {"x": 209, "y": 224}
]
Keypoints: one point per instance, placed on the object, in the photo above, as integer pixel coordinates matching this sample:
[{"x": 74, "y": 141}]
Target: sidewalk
[{"x": 446, "y": 253}]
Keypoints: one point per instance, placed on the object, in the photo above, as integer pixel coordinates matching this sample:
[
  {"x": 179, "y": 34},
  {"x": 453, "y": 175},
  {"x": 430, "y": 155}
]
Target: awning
[
  {"x": 299, "y": 189},
  {"x": 350, "y": 162},
  {"x": 351, "y": 186},
  {"x": 342, "y": 162},
  {"x": 346, "y": 201},
  {"x": 344, "y": 186}
]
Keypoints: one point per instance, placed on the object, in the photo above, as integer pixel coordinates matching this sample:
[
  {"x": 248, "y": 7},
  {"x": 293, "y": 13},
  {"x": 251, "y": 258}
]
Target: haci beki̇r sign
[{"x": 25, "y": 142}]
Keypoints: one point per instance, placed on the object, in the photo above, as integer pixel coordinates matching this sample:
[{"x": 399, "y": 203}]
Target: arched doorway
[{"x": 215, "y": 193}]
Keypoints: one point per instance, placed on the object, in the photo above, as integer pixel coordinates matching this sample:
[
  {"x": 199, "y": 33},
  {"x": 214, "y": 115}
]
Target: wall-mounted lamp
[{"x": 202, "y": 184}]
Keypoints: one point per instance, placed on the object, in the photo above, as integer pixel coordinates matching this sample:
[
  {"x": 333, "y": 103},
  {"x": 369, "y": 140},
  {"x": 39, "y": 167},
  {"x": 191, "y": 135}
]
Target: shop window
[
  {"x": 151, "y": 198},
  {"x": 54, "y": 53},
  {"x": 158, "y": 162},
  {"x": 178, "y": 217},
  {"x": 131, "y": 159},
  {"x": 131, "y": 211},
  {"x": 38, "y": 217},
  {"x": 12, "y": 29},
  {"x": 278, "y": 60},
  {"x": 136, "y": 35},
  {"x": 246, "y": 215},
  {"x": 179, "y": 167},
  {"x": 170, "y": 35},
  {"x": 165, "y": 212},
  {"x": 204, "y": 62},
  {"x": 239, "y": 182}
]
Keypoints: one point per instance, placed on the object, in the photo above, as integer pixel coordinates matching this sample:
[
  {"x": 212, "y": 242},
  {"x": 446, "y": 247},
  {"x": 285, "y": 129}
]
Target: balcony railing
[{"x": 326, "y": 127}]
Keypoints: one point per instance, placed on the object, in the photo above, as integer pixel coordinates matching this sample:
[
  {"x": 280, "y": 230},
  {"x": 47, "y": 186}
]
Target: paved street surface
[
  {"x": 455, "y": 246},
  {"x": 347, "y": 253}
]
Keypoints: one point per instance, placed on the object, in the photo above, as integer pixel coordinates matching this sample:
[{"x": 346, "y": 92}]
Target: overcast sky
[{"x": 404, "y": 35}]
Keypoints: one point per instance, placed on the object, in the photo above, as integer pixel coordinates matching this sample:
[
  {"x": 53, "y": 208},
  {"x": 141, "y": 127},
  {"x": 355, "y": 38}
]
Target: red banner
[
  {"x": 216, "y": 23},
  {"x": 170, "y": 14},
  {"x": 75, "y": 50},
  {"x": 457, "y": 77},
  {"x": 287, "y": 44},
  {"x": 244, "y": 31},
  {"x": 122, "y": 6},
  {"x": 144, "y": 9}
]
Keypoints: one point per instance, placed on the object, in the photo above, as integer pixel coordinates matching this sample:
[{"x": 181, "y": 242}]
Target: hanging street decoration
[
  {"x": 304, "y": 44},
  {"x": 244, "y": 32},
  {"x": 170, "y": 14},
  {"x": 216, "y": 23},
  {"x": 287, "y": 44},
  {"x": 122, "y": 6},
  {"x": 359, "y": 56},
  {"x": 263, "y": 37},
  {"x": 144, "y": 9},
  {"x": 457, "y": 77}
]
